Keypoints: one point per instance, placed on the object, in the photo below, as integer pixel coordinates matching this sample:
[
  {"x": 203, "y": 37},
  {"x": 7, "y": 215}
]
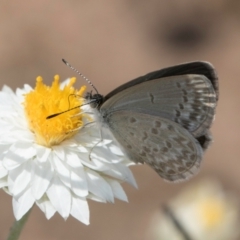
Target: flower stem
[{"x": 17, "y": 227}]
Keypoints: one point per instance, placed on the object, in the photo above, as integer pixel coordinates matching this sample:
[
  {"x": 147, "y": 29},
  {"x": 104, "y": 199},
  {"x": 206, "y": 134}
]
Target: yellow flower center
[
  {"x": 212, "y": 212},
  {"x": 47, "y": 100}
]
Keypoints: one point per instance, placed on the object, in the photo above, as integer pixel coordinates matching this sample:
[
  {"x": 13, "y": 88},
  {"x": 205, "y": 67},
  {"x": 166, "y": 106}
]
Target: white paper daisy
[
  {"x": 57, "y": 163},
  {"x": 204, "y": 211}
]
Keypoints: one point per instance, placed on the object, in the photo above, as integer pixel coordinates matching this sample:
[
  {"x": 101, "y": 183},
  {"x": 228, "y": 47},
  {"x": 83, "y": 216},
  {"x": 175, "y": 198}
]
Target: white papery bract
[{"x": 59, "y": 177}]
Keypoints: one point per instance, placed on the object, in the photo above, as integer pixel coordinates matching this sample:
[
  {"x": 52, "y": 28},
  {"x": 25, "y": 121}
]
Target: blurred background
[{"x": 112, "y": 42}]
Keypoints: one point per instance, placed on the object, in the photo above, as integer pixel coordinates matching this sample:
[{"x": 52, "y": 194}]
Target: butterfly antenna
[
  {"x": 86, "y": 79},
  {"x": 70, "y": 109}
]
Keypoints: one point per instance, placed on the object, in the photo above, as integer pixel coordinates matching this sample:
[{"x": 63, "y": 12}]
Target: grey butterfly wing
[
  {"x": 188, "y": 100},
  {"x": 164, "y": 145},
  {"x": 195, "y": 68}
]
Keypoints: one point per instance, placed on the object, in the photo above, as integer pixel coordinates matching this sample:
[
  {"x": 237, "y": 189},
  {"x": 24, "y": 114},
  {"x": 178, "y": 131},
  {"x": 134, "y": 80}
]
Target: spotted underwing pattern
[
  {"x": 163, "y": 118},
  {"x": 167, "y": 147}
]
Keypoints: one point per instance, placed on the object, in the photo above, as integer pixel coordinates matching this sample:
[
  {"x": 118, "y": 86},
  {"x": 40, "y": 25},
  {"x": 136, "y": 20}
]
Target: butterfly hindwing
[{"x": 162, "y": 144}]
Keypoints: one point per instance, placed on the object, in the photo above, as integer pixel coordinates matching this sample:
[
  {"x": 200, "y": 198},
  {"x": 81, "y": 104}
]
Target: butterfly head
[{"x": 95, "y": 100}]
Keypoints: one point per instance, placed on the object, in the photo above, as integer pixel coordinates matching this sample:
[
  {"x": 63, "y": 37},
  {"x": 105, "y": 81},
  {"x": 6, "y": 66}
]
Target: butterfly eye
[{"x": 96, "y": 101}]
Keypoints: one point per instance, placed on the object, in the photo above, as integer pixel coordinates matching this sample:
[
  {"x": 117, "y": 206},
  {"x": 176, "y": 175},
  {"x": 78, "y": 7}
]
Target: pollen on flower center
[{"x": 47, "y": 100}]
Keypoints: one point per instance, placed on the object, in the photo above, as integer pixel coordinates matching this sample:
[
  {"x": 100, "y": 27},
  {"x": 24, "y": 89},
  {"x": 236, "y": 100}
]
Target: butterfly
[{"x": 163, "y": 118}]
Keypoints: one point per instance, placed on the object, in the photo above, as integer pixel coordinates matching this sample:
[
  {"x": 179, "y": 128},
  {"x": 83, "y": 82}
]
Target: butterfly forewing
[
  {"x": 164, "y": 145},
  {"x": 196, "y": 68},
  {"x": 188, "y": 100}
]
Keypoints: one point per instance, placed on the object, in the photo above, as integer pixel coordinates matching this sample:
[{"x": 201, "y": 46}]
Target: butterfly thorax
[{"x": 95, "y": 100}]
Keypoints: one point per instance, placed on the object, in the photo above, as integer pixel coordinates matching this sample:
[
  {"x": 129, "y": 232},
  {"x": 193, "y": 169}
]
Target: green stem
[{"x": 17, "y": 227}]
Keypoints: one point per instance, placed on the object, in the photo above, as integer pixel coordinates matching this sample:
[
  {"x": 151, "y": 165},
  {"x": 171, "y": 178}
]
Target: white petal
[
  {"x": 22, "y": 180},
  {"x": 103, "y": 142},
  {"x": 122, "y": 172},
  {"x": 99, "y": 165},
  {"x": 42, "y": 153},
  {"x": 117, "y": 190},
  {"x": 23, "y": 136},
  {"x": 23, "y": 204},
  {"x": 5, "y": 189},
  {"x": 96, "y": 198},
  {"x": 69, "y": 143},
  {"x": 80, "y": 210},
  {"x": 12, "y": 176},
  {"x": 79, "y": 182},
  {"x": 3, "y": 171},
  {"x": 4, "y": 147},
  {"x": 98, "y": 186},
  {"x": 45, "y": 205},
  {"x": 12, "y": 160},
  {"x": 60, "y": 197},
  {"x": 20, "y": 92},
  {"x": 23, "y": 149},
  {"x": 3, "y": 182},
  {"x": 42, "y": 176},
  {"x": 73, "y": 160},
  {"x": 62, "y": 169},
  {"x": 80, "y": 149},
  {"x": 116, "y": 150},
  {"x": 59, "y": 151},
  {"x": 64, "y": 83},
  {"x": 92, "y": 163},
  {"x": 7, "y": 89},
  {"x": 27, "y": 88},
  {"x": 105, "y": 155}
]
